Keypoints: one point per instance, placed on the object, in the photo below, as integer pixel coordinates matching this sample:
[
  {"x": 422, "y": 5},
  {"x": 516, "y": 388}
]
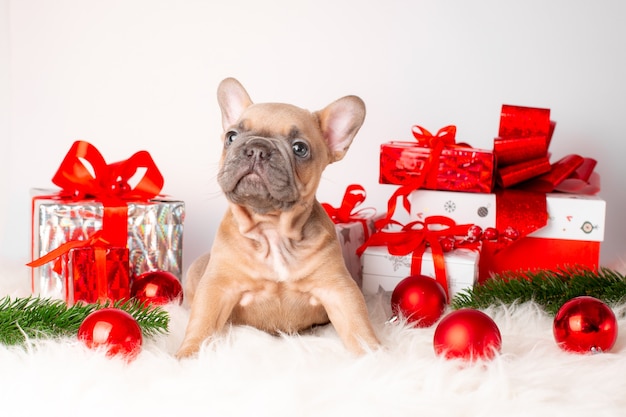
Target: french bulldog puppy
[{"x": 276, "y": 263}]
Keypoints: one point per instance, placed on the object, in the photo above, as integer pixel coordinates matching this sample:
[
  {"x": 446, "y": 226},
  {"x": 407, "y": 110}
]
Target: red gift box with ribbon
[
  {"x": 99, "y": 205},
  {"x": 354, "y": 225},
  {"x": 92, "y": 270},
  {"x": 436, "y": 162},
  {"x": 435, "y": 247},
  {"x": 98, "y": 275}
]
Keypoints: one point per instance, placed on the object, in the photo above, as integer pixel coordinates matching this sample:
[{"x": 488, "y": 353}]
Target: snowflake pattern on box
[
  {"x": 399, "y": 261},
  {"x": 449, "y": 206}
]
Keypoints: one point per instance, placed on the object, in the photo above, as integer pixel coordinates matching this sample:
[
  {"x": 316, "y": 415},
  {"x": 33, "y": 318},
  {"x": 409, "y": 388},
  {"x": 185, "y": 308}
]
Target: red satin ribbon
[
  {"x": 511, "y": 175},
  {"x": 520, "y": 210},
  {"x": 511, "y": 151},
  {"x": 413, "y": 238},
  {"x": 522, "y": 153},
  {"x": 100, "y": 246},
  {"x": 445, "y": 137},
  {"x": 95, "y": 240},
  {"x": 558, "y": 172},
  {"x": 520, "y": 121},
  {"x": 521, "y": 150},
  {"x": 108, "y": 184},
  {"x": 354, "y": 196},
  {"x": 582, "y": 181}
]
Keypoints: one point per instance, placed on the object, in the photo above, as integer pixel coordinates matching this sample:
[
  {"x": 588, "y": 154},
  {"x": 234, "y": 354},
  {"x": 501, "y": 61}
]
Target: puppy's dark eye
[
  {"x": 230, "y": 137},
  {"x": 300, "y": 148}
]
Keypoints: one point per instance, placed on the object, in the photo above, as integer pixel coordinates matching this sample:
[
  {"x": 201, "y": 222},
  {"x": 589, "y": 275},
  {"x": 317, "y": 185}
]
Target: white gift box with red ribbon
[
  {"x": 383, "y": 271},
  {"x": 570, "y": 237}
]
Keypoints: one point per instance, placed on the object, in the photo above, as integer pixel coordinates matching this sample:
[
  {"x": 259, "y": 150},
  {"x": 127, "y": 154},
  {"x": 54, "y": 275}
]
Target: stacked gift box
[
  {"x": 474, "y": 213},
  {"x": 95, "y": 234},
  {"x": 574, "y": 227},
  {"x": 354, "y": 225}
]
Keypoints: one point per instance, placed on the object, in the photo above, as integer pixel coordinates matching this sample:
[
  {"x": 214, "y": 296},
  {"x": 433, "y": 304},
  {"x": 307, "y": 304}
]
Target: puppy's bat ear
[
  {"x": 233, "y": 100},
  {"x": 340, "y": 121}
]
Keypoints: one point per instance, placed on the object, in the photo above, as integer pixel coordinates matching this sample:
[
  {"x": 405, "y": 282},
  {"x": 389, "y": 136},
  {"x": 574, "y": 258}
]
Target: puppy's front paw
[{"x": 187, "y": 350}]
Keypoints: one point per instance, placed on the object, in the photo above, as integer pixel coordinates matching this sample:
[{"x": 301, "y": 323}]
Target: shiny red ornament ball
[
  {"x": 474, "y": 233},
  {"x": 447, "y": 244},
  {"x": 585, "y": 325},
  {"x": 511, "y": 233},
  {"x": 467, "y": 334},
  {"x": 157, "y": 287},
  {"x": 420, "y": 299},
  {"x": 114, "y": 330},
  {"x": 490, "y": 233}
]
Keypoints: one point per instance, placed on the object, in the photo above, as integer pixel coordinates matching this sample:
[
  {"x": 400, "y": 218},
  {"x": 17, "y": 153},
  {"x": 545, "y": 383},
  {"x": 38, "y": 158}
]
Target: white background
[{"x": 141, "y": 74}]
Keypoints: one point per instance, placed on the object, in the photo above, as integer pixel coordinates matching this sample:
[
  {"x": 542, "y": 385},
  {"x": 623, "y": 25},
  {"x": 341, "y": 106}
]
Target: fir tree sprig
[
  {"x": 550, "y": 289},
  {"x": 32, "y": 317}
]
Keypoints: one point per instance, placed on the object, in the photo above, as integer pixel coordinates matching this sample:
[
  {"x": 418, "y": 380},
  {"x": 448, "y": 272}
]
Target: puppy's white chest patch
[
  {"x": 279, "y": 261},
  {"x": 276, "y": 255}
]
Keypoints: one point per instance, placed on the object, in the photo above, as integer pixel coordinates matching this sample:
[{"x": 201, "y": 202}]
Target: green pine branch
[
  {"x": 550, "y": 289},
  {"x": 22, "y": 319}
]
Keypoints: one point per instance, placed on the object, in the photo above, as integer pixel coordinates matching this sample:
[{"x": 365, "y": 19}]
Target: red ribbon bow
[
  {"x": 109, "y": 184},
  {"x": 413, "y": 238},
  {"x": 445, "y": 137},
  {"x": 521, "y": 148},
  {"x": 522, "y": 155},
  {"x": 345, "y": 213}
]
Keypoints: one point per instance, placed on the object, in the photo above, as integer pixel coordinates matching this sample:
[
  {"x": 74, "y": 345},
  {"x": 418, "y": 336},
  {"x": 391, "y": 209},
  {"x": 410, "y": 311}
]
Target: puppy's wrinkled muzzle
[{"x": 257, "y": 173}]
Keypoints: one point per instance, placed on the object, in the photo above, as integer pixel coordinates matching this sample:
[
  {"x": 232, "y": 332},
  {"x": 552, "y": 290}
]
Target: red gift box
[
  {"x": 533, "y": 254},
  {"x": 91, "y": 270},
  {"x": 436, "y": 163},
  {"x": 97, "y": 275}
]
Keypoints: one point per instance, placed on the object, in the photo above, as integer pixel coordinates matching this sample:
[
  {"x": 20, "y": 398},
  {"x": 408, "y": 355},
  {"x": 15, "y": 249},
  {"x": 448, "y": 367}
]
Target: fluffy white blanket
[{"x": 249, "y": 373}]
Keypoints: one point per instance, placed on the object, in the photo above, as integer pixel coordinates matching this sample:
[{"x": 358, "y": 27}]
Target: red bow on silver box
[{"x": 109, "y": 184}]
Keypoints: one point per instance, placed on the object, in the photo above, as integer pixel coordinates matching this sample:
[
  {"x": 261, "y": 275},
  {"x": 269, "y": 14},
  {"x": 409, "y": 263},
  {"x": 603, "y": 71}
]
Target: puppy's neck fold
[{"x": 288, "y": 224}]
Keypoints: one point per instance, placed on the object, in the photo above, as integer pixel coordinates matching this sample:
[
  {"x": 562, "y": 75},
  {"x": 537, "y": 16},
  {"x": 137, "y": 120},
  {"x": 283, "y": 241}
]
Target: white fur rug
[{"x": 249, "y": 373}]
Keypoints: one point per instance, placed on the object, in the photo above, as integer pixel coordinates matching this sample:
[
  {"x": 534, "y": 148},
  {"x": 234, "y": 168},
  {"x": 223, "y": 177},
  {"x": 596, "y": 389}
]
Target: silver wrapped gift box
[{"x": 155, "y": 235}]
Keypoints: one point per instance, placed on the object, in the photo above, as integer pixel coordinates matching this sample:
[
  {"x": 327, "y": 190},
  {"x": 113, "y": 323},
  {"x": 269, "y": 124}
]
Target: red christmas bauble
[
  {"x": 490, "y": 233},
  {"x": 157, "y": 287},
  {"x": 467, "y": 334},
  {"x": 585, "y": 325},
  {"x": 420, "y": 299},
  {"x": 114, "y": 330}
]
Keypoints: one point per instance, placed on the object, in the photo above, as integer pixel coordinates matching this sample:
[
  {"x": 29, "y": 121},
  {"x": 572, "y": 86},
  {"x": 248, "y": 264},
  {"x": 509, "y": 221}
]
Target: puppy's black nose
[{"x": 259, "y": 149}]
